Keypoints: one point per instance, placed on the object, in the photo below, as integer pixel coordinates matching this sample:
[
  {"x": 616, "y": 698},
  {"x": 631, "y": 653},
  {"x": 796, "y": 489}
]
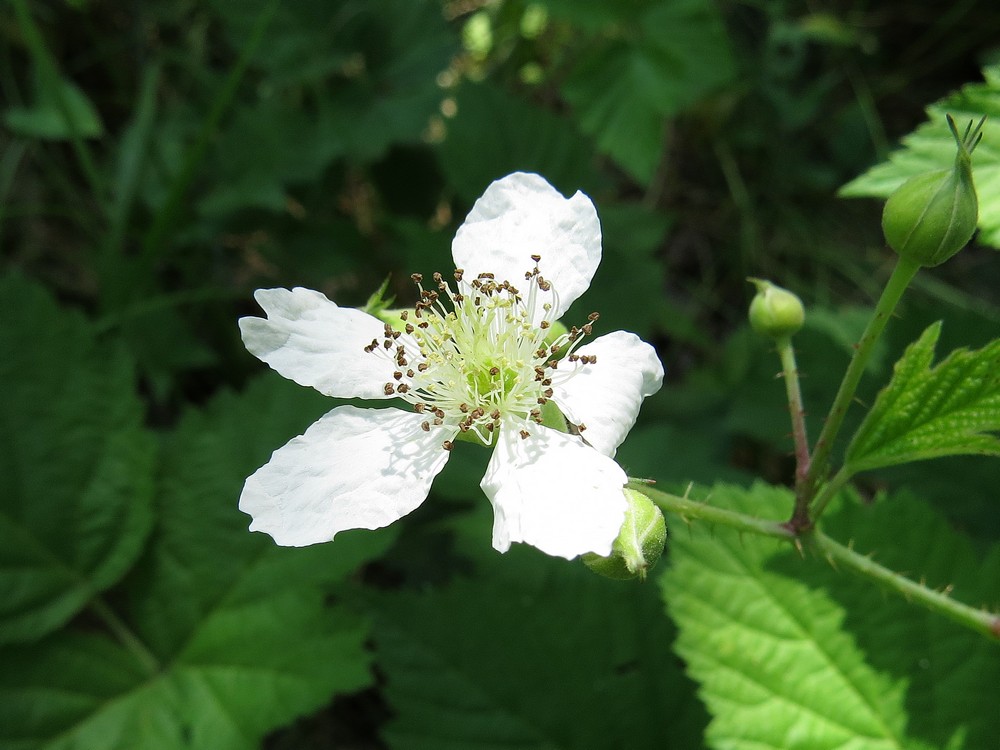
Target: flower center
[{"x": 481, "y": 352}]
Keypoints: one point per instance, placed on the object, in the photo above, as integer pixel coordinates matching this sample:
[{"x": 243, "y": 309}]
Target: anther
[
  {"x": 525, "y": 434},
  {"x": 447, "y": 445},
  {"x": 536, "y": 258},
  {"x": 403, "y": 388},
  {"x": 389, "y": 389},
  {"x": 397, "y": 375},
  {"x": 494, "y": 371},
  {"x": 425, "y": 426},
  {"x": 593, "y": 317},
  {"x": 544, "y": 324},
  {"x": 416, "y": 277}
]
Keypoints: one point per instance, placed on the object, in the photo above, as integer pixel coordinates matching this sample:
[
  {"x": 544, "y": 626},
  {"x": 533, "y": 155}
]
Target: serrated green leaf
[
  {"x": 75, "y": 462},
  {"x": 928, "y": 412},
  {"x": 952, "y": 674},
  {"x": 776, "y": 667},
  {"x": 232, "y": 636},
  {"x": 676, "y": 53},
  {"x": 931, "y": 146},
  {"x": 533, "y": 653}
]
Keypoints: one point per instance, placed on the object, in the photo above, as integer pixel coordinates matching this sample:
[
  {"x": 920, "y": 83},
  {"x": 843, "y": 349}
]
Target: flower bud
[
  {"x": 639, "y": 544},
  {"x": 932, "y": 216},
  {"x": 774, "y": 311}
]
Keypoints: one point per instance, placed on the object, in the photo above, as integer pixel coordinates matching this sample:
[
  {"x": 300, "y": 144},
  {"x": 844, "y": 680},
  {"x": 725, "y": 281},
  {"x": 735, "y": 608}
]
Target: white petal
[
  {"x": 606, "y": 396},
  {"x": 309, "y": 339},
  {"x": 523, "y": 215},
  {"x": 353, "y": 469},
  {"x": 554, "y": 492}
]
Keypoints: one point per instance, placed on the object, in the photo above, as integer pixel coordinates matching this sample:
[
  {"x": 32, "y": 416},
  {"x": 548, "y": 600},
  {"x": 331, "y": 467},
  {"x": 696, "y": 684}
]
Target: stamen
[{"x": 479, "y": 352}]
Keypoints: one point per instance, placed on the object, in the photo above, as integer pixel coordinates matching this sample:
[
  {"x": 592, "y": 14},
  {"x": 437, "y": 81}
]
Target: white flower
[{"x": 472, "y": 359}]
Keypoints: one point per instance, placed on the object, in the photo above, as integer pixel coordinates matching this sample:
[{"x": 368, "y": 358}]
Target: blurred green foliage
[{"x": 161, "y": 160}]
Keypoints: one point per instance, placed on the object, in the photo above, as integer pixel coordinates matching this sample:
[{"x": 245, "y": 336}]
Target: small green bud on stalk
[
  {"x": 774, "y": 311},
  {"x": 932, "y": 216},
  {"x": 639, "y": 544}
]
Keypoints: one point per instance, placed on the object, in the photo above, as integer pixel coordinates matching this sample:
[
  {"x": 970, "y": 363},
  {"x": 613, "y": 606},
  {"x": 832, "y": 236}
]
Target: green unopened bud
[
  {"x": 774, "y": 311},
  {"x": 933, "y": 215},
  {"x": 639, "y": 544}
]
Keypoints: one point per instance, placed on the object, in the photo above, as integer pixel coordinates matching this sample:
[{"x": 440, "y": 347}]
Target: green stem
[
  {"x": 829, "y": 491},
  {"x": 796, "y": 410},
  {"x": 837, "y": 554},
  {"x": 790, "y": 372},
  {"x": 901, "y": 276},
  {"x": 688, "y": 509},
  {"x": 121, "y": 631},
  {"x": 937, "y": 601}
]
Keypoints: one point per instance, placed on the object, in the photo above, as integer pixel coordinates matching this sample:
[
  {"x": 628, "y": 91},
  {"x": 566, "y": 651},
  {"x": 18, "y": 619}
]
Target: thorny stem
[
  {"x": 689, "y": 509},
  {"x": 790, "y": 373},
  {"x": 937, "y": 601},
  {"x": 829, "y": 490},
  {"x": 835, "y": 553},
  {"x": 901, "y": 276}
]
